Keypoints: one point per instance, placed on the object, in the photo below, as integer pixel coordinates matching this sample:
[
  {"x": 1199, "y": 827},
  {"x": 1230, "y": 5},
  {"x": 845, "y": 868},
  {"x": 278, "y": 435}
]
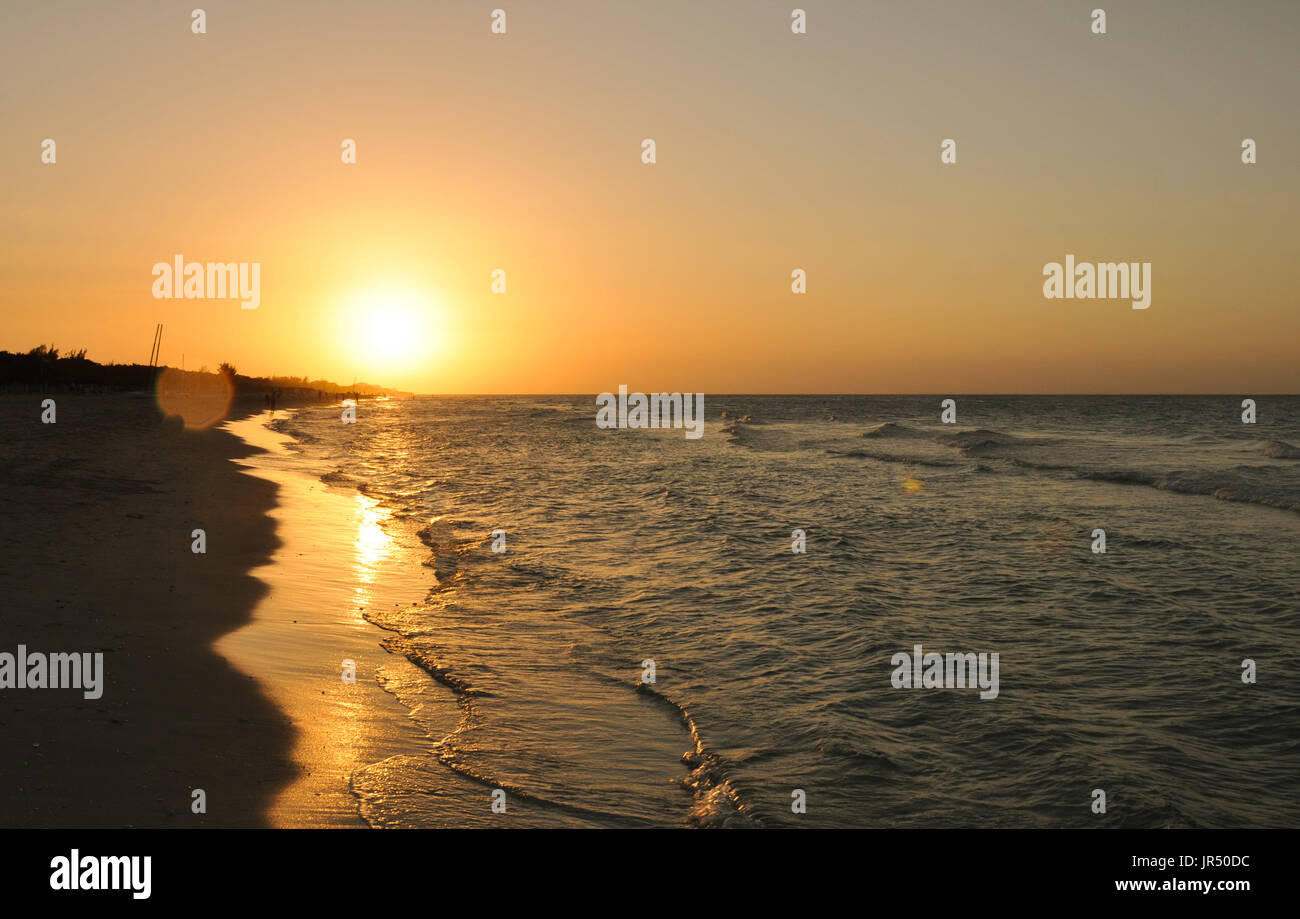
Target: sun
[
  {"x": 392, "y": 330},
  {"x": 388, "y": 333}
]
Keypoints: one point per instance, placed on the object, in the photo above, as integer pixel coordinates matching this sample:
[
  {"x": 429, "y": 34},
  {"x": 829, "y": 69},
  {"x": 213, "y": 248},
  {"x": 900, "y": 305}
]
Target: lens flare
[{"x": 199, "y": 399}]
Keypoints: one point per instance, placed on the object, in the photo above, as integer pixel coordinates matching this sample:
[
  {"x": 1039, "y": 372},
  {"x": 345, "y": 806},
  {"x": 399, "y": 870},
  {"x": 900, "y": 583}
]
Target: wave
[
  {"x": 966, "y": 441},
  {"x": 425, "y": 659},
  {"x": 890, "y": 429},
  {"x": 739, "y": 432},
  {"x": 1195, "y": 484},
  {"x": 1214, "y": 484},
  {"x": 1279, "y": 449},
  {"x": 717, "y": 801},
  {"x": 1244, "y": 484},
  {"x": 462, "y": 761},
  {"x": 895, "y": 458},
  {"x": 445, "y": 751},
  {"x": 970, "y": 440},
  {"x": 338, "y": 477},
  {"x": 446, "y": 551},
  {"x": 285, "y": 426}
]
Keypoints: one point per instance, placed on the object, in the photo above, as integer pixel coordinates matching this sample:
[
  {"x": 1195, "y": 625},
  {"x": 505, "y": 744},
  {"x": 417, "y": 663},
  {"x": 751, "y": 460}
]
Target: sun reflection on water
[{"x": 372, "y": 545}]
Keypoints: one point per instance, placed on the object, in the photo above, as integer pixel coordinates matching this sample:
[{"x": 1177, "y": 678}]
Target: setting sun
[{"x": 391, "y": 330}]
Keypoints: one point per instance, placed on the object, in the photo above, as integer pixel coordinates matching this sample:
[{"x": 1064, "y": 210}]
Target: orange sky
[{"x": 775, "y": 151}]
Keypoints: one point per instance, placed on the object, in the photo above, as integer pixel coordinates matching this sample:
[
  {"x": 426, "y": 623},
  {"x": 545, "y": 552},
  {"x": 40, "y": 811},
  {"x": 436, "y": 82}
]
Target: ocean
[{"x": 773, "y": 701}]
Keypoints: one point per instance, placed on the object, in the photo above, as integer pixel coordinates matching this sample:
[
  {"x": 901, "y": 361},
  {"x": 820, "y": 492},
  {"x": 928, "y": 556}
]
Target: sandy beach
[
  {"x": 99, "y": 511},
  {"x": 222, "y": 670},
  {"x": 335, "y": 560}
]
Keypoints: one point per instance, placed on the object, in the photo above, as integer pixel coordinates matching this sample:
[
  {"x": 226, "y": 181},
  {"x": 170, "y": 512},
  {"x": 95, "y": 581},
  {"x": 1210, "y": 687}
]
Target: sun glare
[{"x": 393, "y": 330}]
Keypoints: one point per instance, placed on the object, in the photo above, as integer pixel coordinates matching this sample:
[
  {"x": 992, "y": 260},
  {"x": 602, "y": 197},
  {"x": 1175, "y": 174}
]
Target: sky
[{"x": 774, "y": 152}]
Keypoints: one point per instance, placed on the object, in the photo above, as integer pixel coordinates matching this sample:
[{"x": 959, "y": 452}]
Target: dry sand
[{"x": 95, "y": 533}]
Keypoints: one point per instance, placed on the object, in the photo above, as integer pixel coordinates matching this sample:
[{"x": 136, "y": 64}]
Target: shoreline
[
  {"x": 222, "y": 669},
  {"x": 335, "y": 561},
  {"x": 389, "y": 749}
]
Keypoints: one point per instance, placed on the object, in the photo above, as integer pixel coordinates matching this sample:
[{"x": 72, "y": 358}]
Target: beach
[
  {"x": 489, "y": 612},
  {"x": 318, "y": 659},
  {"x": 223, "y": 670},
  {"x": 99, "y": 511}
]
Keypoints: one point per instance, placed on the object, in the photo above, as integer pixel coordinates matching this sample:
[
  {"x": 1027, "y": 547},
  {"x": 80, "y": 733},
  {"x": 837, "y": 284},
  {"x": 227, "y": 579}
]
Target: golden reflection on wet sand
[{"x": 335, "y": 561}]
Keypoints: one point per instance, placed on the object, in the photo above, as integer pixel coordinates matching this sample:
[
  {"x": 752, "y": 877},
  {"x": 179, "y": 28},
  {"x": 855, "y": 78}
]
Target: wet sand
[{"x": 335, "y": 561}]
